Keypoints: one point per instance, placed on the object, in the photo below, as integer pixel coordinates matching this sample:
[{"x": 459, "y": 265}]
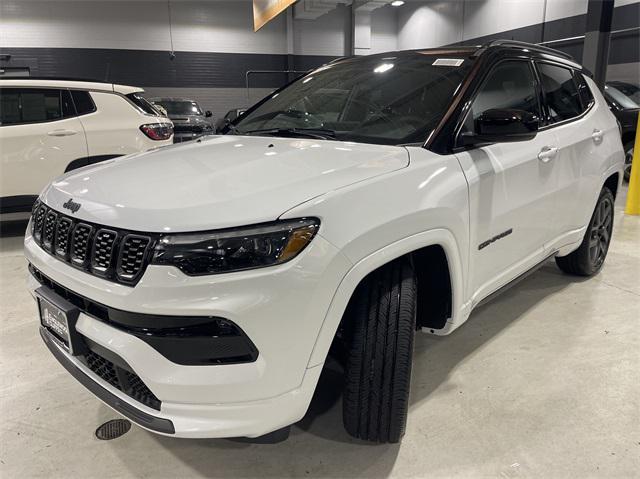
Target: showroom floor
[{"x": 542, "y": 382}]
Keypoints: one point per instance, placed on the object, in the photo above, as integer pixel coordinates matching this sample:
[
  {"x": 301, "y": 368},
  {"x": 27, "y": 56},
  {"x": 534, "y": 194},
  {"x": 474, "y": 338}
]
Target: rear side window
[
  {"x": 40, "y": 105},
  {"x": 67, "y": 104},
  {"x": 9, "y": 106},
  {"x": 34, "y": 105},
  {"x": 511, "y": 85},
  {"x": 83, "y": 102},
  {"x": 560, "y": 92},
  {"x": 585, "y": 92},
  {"x": 142, "y": 103}
]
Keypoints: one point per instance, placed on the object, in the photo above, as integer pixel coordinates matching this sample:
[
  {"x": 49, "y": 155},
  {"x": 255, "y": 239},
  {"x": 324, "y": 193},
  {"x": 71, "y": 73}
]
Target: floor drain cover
[{"x": 113, "y": 429}]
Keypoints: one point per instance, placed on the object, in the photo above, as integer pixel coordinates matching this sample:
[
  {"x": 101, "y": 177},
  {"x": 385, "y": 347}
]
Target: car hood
[{"x": 220, "y": 182}]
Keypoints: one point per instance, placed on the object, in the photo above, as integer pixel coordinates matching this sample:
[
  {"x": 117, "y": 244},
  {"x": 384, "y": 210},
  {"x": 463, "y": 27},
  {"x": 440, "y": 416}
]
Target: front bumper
[
  {"x": 281, "y": 309},
  {"x": 251, "y": 419}
]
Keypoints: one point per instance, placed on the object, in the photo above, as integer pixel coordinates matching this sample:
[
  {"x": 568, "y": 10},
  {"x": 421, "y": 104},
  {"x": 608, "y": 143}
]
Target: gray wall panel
[{"x": 148, "y": 68}]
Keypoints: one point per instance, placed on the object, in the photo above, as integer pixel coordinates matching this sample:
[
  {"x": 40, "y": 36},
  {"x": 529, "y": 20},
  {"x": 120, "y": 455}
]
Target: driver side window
[{"x": 511, "y": 85}]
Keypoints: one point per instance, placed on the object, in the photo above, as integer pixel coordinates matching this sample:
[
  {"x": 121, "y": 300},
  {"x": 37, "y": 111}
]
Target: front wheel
[
  {"x": 589, "y": 257},
  {"x": 381, "y": 324}
]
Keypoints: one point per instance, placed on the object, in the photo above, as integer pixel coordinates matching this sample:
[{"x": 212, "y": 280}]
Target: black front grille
[
  {"x": 132, "y": 254},
  {"x": 38, "y": 220},
  {"x": 80, "y": 244},
  {"x": 63, "y": 234},
  {"x": 126, "y": 381},
  {"x": 187, "y": 128},
  {"x": 113, "y": 254},
  {"x": 103, "y": 368},
  {"x": 102, "y": 255},
  {"x": 49, "y": 230}
]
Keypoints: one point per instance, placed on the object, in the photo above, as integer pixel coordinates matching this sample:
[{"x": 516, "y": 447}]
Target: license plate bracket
[{"x": 59, "y": 317}]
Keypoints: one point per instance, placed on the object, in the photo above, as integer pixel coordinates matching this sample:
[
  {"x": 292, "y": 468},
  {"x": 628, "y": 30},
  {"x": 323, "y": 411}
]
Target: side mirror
[
  {"x": 208, "y": 114},
  {"x": 503, "y": 125}
]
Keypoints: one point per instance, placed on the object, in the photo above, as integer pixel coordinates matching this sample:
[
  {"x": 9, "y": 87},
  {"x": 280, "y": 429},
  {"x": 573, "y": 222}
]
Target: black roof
[{"x": 495, "y": 46}]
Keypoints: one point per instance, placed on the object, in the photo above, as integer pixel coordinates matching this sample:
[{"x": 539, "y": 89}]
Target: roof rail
[
  {"x": 53, "y": 78},
  {"x": 530, "y": 46}
]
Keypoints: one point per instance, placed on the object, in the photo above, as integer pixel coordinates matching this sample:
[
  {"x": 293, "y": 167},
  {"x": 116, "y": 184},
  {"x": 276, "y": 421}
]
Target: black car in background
[
  {"x": 230, "y": 117},
  {"x": 624, "y": 100},
  {"x": 189, "y": 121}
]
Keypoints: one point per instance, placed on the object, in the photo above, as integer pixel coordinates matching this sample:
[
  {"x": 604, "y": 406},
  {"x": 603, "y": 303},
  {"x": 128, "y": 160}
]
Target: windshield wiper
[
  {"x": 319, "y": 133},
  {"x": 229, "y": 127}
]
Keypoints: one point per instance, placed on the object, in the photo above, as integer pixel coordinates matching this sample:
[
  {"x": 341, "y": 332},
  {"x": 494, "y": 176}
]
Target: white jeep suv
[
  {"x": 48, "y": 127},
  {"x": 197, "y": 289}
]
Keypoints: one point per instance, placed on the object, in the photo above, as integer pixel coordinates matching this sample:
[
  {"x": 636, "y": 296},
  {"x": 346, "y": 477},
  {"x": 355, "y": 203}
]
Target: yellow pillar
[{"x": 633, "y": 196}]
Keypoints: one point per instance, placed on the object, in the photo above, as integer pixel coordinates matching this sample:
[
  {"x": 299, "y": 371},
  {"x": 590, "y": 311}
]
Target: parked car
[
  {"x": 197, "y": 289},
  {"x": 189, "y": 121},
  {"x": 624, "y": 100},
  {"x": 229, "y": 117},
  {"x": 48, "y": 127}
]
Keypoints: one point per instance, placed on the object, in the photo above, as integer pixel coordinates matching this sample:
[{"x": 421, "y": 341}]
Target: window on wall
[
  {"x": 560, "y": 92},
  {"x": 511, "y": 85}
]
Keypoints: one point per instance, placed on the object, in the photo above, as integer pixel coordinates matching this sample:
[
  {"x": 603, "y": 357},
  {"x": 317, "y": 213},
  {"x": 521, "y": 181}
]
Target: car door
[
  {"x": 39, "y": 137},
  {"x": 570, "y": 116},
  {"x": 511, "y": 185}
]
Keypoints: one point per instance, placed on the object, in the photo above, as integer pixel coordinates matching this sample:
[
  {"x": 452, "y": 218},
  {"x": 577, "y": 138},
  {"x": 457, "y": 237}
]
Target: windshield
[
  {"x": 384, "y": 100},
  {"x": 178, "y": 107},
  {"x": 627, "y": 96}
]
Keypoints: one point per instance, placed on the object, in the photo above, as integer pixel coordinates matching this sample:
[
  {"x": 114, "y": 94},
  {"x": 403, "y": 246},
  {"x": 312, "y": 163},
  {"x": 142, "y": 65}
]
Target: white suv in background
[
  {"x": 48, "y": 127},
  {"x": 198, "y": 289}
]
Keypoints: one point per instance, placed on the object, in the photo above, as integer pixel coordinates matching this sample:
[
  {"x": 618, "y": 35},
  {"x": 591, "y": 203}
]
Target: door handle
[
  {"x": 547, "y": 154},
  {"x": 597, "y": 136},
  {"x": 62, "y": 133}
]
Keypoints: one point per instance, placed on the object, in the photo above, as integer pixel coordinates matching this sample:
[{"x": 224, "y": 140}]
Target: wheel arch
[
  {"x": 420, "y": 247},
  {"x": 612, "y": 182}
]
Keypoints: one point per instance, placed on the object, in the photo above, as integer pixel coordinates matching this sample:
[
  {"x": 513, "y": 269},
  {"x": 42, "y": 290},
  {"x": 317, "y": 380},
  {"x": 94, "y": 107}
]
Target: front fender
[{"x": 440, "y": 237}]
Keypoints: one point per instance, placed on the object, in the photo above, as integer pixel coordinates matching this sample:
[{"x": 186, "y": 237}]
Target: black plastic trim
[
  {"x": 145, "y": 420},
  {"x": 585, "y": 109},
  {"x": 444, "y": 138},
  {"x": 185, "y": 340},
  {"x": 475, "y": 89},
  {"x": 513, "y": 282}
]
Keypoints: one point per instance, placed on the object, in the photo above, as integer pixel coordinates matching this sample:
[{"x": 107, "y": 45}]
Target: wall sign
[{"x": 265, "y": 10}]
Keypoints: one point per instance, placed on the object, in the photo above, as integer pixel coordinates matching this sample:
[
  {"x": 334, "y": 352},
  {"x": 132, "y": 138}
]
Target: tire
[
  {"x": 381, "y": 325},
  {"x": 588, "y": 259}
]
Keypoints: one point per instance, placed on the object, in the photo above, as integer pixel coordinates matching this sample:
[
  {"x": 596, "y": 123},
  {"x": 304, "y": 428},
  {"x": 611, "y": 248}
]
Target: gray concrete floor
[{"x": 543, "y": 382}]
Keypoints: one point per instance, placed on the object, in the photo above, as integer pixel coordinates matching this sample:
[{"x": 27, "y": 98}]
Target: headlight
[{"x": 239, "y": 249}]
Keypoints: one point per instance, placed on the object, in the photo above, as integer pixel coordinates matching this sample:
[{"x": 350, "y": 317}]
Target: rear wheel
[
  {"x": 628, "y": 159},
  {"x": 381, "y": 323},
  {"x": 589, "y": 257}
]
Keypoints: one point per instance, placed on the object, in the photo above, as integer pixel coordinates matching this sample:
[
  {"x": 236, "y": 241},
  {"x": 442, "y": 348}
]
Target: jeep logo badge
[{"x": 70, "y": 205}]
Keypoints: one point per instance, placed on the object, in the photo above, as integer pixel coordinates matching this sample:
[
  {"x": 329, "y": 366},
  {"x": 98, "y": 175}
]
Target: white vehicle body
[
  {"x": 35, "y": 150},
  {"x": 374, "y": 203}
]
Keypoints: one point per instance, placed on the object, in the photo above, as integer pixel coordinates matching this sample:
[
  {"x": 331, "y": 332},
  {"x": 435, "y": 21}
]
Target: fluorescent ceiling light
[{"x": 397, "y": 3}]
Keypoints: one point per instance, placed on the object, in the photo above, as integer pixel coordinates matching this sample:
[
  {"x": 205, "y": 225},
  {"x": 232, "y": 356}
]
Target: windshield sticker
[{"x": 448, "y": 62}]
